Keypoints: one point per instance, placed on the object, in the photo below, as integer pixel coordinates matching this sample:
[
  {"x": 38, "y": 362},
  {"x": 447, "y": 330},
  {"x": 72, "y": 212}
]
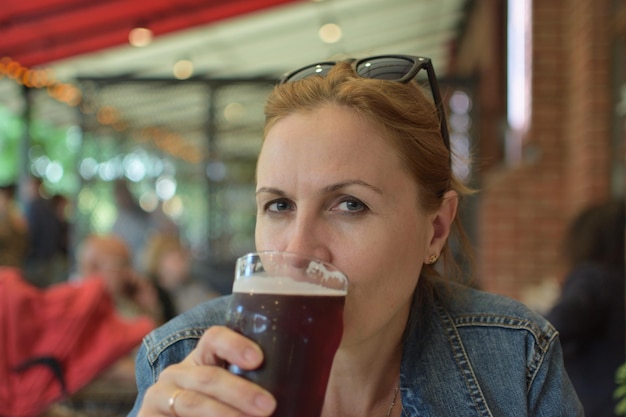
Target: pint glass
[{"x": 292, "y": 307}]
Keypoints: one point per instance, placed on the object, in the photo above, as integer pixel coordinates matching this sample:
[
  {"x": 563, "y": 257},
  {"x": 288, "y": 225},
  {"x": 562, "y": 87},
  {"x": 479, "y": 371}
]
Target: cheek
[
  {"x": 392, "y": 247},
  {"x": 386, "y": 266},
  {"x": 264, "y": 237}
]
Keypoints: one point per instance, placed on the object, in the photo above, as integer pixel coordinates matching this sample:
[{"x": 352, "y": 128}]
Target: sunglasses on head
[{"x": 398, "y": 68}]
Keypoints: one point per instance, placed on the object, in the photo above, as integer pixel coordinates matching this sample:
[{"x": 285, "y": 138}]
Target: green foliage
[
  {"x": 48, "y": 144},
  {"x": 620, "y": 392},
  {"x": 11, "y": 131},
  {"x": 73, "y": 162}
]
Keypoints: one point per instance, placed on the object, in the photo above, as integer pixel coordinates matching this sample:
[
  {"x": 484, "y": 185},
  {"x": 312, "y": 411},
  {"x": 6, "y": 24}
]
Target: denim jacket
[{"x": 479, "y": 354}]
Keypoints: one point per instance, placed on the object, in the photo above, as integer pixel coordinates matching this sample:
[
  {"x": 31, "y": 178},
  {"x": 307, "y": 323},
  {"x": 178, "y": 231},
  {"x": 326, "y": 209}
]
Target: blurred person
[
  {"x": 44, "y": 261},
  {"x": 136, "y": 225},
  {"x": 133, "y": 224},
  {"x": 58, "y": 340},
  {"x": 13, "y": 229},
  {"x": 61, "y": 205},
  {"x": 168, "y": 263},
  {"x": 589, "y": 314},
  {"x": 110, "y": 258}
]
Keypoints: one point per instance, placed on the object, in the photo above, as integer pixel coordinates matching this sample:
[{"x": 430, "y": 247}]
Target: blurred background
[
  {"x": 163, "y": 100},
  {"x": 142, "y": 120},
  {"x": 167, "y": 96}
]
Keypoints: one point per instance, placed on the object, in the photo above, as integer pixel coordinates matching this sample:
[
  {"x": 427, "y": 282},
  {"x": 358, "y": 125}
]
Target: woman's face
[{"x": 328, "y": 185}]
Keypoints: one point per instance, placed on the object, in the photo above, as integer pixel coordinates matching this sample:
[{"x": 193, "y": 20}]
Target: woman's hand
[{"x": 201, "y": 386}]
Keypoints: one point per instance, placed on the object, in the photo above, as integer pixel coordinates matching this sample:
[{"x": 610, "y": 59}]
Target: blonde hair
[{"x": 157, "y": 246}]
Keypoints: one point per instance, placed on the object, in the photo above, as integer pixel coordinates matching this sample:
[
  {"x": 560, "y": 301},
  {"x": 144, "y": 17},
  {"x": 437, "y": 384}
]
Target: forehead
[
  {"x": 328, "y": 142},
  {"x": 329, "y": 128}
]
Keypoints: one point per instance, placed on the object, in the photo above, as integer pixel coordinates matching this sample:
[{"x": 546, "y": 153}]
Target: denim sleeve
[
  {"x": 551, "y": 393},
  {"x": 143, "y": 376},
  {"x": 151, "y": 361},
  {"x": 171, "y": 343}
]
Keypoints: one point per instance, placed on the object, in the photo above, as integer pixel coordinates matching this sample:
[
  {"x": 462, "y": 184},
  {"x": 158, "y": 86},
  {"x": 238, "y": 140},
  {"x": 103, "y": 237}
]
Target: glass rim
[{"x": 319, "y": 271}]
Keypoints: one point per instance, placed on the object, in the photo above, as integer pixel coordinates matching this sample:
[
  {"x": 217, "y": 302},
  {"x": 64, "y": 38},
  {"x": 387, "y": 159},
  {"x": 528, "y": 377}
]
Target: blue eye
[
  {"x": 278, "y": 206},
  {"x": 352, "y": 206}
]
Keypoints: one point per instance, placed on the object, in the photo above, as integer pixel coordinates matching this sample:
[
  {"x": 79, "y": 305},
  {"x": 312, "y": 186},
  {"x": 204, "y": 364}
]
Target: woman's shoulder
[
  {"x": 467, "y": 306},
  {"x": 187, "y": 327},
  {"x": 488, "y": 348}
]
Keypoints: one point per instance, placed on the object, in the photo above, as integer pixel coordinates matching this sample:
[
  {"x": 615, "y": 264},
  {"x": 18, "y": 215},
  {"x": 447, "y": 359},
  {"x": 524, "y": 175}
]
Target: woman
[
  {"x": 167, "y": 262},
  {"x": 355, "y": 170}
]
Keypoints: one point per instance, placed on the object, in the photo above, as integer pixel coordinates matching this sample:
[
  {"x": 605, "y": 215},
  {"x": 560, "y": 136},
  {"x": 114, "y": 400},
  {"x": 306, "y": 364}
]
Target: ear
[{"x": 441, "y": 223}]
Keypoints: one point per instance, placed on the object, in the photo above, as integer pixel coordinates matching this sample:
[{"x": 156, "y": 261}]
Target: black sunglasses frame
[{"x": 419, "y": 63}]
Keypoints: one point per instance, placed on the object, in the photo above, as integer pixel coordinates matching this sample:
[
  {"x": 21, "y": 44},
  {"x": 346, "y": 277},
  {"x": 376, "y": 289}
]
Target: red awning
[{"x": 37, "y": 32}]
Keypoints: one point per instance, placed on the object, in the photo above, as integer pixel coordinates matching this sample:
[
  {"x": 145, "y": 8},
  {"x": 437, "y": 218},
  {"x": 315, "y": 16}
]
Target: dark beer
[{"x": 299, "y": 335}]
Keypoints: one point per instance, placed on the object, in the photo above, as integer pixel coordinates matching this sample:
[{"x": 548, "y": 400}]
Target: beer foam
[
  {"x": 267, "y": 284},
  {"x": 326, "y": 275}
]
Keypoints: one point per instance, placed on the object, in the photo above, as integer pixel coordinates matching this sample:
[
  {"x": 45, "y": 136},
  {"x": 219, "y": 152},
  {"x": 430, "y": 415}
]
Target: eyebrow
[
  {"x": 270, "y": 190},
  {"x": 327, "y": 189}
]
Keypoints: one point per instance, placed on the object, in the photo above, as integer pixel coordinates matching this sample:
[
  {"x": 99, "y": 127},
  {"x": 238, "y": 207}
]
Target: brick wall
[{"x": 524, "y": 209}]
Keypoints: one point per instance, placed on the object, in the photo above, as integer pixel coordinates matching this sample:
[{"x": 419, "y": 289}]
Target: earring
[{"x": 432, "y": 259}]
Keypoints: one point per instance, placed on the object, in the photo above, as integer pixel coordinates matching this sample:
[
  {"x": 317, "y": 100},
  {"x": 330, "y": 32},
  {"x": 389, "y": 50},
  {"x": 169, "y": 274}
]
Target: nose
[{"x": 309, "y": 236}]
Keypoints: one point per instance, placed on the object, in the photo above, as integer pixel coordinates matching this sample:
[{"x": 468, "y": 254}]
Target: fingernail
[
  {"x": 251, "y": 355},
  {"x": 264, "y": 402}
]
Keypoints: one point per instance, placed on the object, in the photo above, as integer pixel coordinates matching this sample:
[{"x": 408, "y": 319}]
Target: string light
[
  {"x": 40, "y": 78},
  {"x": 165, "y": 140},
  {"x": 140, "y": 37},
  {"x": 183, "y": 69},
  {"x": 330, "y": 33}
]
